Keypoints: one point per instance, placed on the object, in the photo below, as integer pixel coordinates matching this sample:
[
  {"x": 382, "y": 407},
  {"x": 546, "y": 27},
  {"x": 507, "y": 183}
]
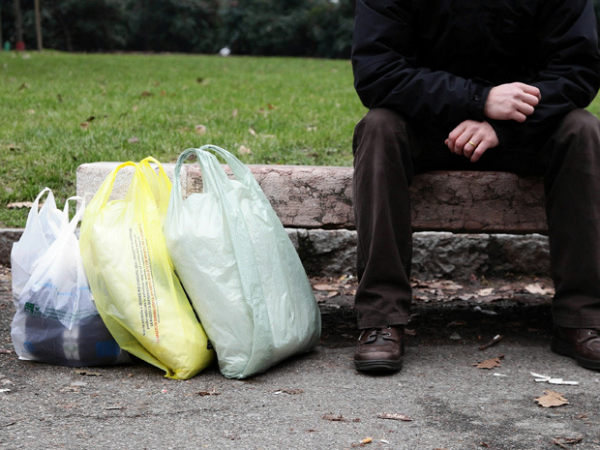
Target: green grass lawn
[{"x": 61, "y": 110}]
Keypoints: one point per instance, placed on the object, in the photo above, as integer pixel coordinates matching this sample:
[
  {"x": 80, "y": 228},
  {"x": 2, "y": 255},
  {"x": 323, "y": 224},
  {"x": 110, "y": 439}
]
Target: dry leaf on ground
[
  {"x": 438, "y": 284},
  {"x": 551, "y": 399},
  {"x": 485, "y": 292},
  {"x": 325, "y": 287},
  {"x": 535, "y": 288},
  {"x": 243, "y": 150},
  {"x": 339, "y": 418},
  {"x": 288, "y": 391},
  {"x": 561, "y": 441},
  {"x": 394, "y": 416},
  {"x": 490, "y": 363},
  {"x": 87, "y": 373},
  {"x": 205, "y": 393},
  {"x": 19, "y": 205}
]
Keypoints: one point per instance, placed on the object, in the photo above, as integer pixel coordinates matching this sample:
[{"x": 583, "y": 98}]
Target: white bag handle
[
  {"x": 48, "y": 226},
  {"x": 69, "y": 226}
]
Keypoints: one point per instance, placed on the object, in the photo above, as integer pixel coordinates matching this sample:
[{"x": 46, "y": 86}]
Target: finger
[
  {"x": 454, "y": 134},
  {"x": 460, "y": 145},
  {"x": 526, "y": 109},
  {"x": 451, "y": 141},
  {"x": 447, "y": 143},
  {"x": 518, "y": 116},
  {"x": 530, "y": 99},
  {"x": 480, "y": 150},
  {"x": 529, "y": 89},
  {"x": 470, "y": 147},
  {"x": 457, "y": 149}
]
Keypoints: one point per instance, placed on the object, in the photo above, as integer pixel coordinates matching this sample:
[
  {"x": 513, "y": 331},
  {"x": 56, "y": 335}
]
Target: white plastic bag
[
  {"x": 240, "y": 269},
  {"x": 41, "y": 229},
  {"x": 56, "y": 320}
]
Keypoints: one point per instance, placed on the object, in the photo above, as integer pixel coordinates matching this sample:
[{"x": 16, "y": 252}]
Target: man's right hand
[{"x": 512, "y": 101}]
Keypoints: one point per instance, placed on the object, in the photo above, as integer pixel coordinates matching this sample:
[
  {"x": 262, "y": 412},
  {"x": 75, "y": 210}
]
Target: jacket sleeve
[
  {"x": 385, "y": 73},
  {"x": 567, "y": 67}
]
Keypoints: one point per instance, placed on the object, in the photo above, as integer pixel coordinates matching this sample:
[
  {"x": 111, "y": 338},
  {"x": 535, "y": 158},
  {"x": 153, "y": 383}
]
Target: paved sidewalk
[{"x": 318, "y": 400}]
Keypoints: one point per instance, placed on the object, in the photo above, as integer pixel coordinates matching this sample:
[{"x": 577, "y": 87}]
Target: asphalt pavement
[{"x": 440, "y": 400}]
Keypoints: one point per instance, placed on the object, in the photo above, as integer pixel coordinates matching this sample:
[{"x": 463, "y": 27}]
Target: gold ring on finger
[{"x": 473, "y": 144}]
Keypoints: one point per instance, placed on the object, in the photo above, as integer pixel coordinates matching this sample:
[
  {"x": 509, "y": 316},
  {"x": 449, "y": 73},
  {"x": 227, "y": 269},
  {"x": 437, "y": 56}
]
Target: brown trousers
[{"x": 388, "y": 151}]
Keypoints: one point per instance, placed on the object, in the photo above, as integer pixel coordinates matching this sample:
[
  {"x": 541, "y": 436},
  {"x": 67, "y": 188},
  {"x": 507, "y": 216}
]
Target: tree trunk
[
  {"x": 1, "y": 39},
  {"x": 19, "y": 25},
  {"x": 38, "y": 25},
  {"x": 59, "y": 16}
]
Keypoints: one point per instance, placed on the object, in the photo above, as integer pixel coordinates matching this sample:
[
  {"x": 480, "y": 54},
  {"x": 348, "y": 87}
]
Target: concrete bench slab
[{"x": 321, "y": 197}]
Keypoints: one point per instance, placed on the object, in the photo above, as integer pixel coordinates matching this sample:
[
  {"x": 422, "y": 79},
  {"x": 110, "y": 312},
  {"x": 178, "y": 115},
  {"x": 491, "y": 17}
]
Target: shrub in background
[
  {"x": 288, "y": 27},
  {"x": 265, "y": 27},
  {"x": 331, "y": 28},
  {"x": 321, "y": 28},
  {"x": 173, "y": 25},
  {"x": 75, "y": 25},
  {"x": 108, "y": 25}
]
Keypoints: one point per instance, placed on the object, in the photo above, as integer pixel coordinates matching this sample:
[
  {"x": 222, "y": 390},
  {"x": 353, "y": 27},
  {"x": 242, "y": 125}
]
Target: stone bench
[{"x": 314, "y": 203}]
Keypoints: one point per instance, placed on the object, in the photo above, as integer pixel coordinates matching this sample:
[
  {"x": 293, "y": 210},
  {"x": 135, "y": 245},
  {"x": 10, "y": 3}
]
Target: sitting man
[{"x": 475, "y": 85}]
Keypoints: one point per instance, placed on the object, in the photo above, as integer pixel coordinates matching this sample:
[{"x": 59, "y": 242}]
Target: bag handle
[
  {"x": 103, "y": 194},
  {"x": 69, "y": 226},
  {"x": 36, "y": 202},
  {"x": 35, "y": 212},
  {"x": 160, "y": 184},
  {"x": 208, "y": 181},
  {"x": 241, "y": 172},
  {"x": 211, "y": 178}
]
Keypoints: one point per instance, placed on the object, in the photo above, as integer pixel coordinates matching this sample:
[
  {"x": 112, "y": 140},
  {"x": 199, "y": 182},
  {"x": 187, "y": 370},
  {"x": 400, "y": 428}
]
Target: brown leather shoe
[
  {"x": 380, "y": 350},
  {"x": 581, "y": 344}
]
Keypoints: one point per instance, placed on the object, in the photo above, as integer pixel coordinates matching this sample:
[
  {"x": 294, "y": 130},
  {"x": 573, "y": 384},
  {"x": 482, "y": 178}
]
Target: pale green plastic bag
[{"x": 239, "y": 268}]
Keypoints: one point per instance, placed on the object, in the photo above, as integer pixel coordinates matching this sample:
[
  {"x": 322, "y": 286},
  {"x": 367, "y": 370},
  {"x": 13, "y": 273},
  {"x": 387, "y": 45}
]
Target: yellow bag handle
[
  {"x": 103, "y": 194},
  {"x": 159, "y": 183}
]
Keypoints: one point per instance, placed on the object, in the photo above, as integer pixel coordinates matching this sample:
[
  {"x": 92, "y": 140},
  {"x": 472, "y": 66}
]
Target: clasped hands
[{"x": 512, "y": 101}]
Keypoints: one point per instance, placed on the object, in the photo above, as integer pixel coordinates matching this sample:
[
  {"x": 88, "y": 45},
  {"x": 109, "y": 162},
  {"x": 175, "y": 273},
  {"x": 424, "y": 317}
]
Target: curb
[{"x": 332, "y": 253}]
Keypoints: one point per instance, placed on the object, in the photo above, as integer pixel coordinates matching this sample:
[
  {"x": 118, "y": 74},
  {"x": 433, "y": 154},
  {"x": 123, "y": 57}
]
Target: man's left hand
[{"x": 471, "y": 139}]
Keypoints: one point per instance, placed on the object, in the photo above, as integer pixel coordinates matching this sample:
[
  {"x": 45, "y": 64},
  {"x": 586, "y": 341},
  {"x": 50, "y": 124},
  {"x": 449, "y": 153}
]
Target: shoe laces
[{"x": 375, "y": 333}]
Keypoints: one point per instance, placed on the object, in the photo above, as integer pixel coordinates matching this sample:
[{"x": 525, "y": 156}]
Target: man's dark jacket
[{"x": 435, "y": 61}]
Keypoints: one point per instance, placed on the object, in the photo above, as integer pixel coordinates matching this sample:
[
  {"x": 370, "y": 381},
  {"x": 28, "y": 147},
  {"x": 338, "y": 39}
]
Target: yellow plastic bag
[{"x": 132, "y": 278}]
